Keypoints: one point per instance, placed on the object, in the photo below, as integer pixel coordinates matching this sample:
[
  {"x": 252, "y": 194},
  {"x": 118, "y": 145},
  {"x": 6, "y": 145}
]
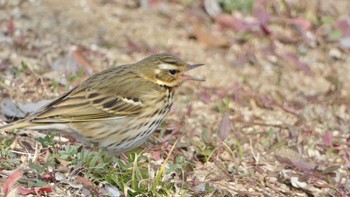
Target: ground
[{"x": 271, "y": 119}]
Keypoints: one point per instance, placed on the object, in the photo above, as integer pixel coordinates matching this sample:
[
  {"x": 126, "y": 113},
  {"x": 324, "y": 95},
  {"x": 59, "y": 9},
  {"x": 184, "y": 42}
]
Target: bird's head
[{"x": 166, "y": 70}]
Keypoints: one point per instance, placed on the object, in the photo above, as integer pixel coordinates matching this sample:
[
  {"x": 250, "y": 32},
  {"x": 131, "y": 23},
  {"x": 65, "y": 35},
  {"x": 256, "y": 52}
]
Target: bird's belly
[{"x": 134, "y": 137}]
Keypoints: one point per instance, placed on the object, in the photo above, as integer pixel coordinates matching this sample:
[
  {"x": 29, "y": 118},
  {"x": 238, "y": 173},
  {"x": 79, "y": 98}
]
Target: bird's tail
[{"x": 15, "y": 125}]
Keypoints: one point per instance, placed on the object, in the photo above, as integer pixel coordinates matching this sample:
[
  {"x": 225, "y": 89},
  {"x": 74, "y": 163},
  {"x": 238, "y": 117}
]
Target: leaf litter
[{"x": 271, "y": 119}]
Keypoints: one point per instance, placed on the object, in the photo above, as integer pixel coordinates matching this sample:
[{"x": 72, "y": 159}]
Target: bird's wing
[{"x": 87, "y": 104}]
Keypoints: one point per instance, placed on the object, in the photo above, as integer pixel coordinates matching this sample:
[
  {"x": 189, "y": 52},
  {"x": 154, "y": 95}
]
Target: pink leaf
[
  {"x": 266, "y": 101},
  {"x": 154, "y": 3},
  {"x": 40, "y": 190},
  {"x": 295, "y": 61},
  {"x": 25, "y": 191},
  {"x": 289, "y": 109},
  {"x": 301, "y": 165},
  {"x": 10, "y": 27},
  {"x": 225, "y": 126},
  {"x": 156, "y": 155},
  {"x": 238, "y": 24},
  {"x": 328, "y": 139},
  {"x": 205, "y": 96},
  {"x": 303, "y": 24},
  {"x": 262, "y": 16},
  {"x": 10, "y": 181},
  {"x": 81, "y": 59},
  {"x": 37, "y": 190},
  {"x": 344, "y": 27},
  {"x": 265, "y": 29}
]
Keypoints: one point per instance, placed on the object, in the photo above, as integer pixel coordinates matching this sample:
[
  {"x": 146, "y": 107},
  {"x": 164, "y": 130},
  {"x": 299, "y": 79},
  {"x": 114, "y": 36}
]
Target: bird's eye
[{"x": 173, "y": 72}]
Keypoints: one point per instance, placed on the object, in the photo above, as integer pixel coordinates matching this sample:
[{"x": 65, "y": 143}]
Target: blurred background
[{"x": 272, "y": 117}]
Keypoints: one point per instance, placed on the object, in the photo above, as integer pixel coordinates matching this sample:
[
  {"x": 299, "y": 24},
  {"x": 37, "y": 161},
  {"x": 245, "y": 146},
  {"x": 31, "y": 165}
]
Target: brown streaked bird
[{"x": 118, "y": 108}]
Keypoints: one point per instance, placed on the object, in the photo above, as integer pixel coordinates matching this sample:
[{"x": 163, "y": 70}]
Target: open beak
[
  {"x": 188, "y": 77},
  {"x": 192, "y": 66}
]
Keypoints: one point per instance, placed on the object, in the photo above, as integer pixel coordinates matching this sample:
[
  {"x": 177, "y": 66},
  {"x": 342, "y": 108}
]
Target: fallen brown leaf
[
  {"x": 208, "y": 38},
  {"x": 10, "y": 181},
  {"x": 36, "y": 190},
  {"x": 225, "y": 126}
]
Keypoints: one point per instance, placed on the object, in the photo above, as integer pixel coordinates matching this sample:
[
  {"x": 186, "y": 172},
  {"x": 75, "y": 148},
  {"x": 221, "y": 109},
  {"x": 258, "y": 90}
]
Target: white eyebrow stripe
[{"x": 167, "y": 66}]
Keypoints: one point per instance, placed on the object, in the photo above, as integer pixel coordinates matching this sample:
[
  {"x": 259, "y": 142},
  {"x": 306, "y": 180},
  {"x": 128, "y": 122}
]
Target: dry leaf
[
  {"x": 86, "y": 182},
  {"x": 206, "y": 37},
  {"x": 212, "y": 7},
  {"x": 294, "y": 60},
  {"x": 37, "y": 190},
  {"x": 344, "y": 27},
  {"x": 225, "y": 126},
  {"x": 10, "y": 27},
  {"x": 10, "y": 109},
  {"x": 81, "y": 60},
  {"x": 10, "y": 181},
  {"x": 112, "y": 191},
  {"x": 328, "y": 139}
]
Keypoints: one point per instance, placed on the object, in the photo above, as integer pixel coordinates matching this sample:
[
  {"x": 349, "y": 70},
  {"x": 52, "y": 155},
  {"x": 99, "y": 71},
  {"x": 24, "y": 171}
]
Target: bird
[{"x": 118, "y": 108}]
